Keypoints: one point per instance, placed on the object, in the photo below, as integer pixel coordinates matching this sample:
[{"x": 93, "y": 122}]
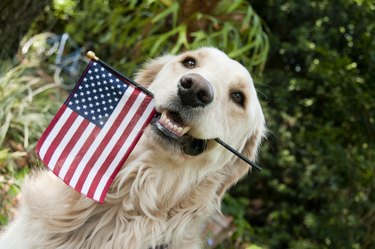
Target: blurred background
[{"x": 313, "y": 64}]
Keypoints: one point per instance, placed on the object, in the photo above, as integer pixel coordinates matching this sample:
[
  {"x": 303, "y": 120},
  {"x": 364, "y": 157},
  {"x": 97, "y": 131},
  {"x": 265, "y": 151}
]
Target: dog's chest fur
[{"x": 147, "y": 207}]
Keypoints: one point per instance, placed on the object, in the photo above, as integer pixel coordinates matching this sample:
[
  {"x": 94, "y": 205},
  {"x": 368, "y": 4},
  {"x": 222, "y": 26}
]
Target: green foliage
[
  {"x": 63, "y": 9},
  {"x": 128, "y": 34},
  {"x": 28, "y": 102},
  {"x": 318, "y": 188},
  {"x": 234, "y": 207}
]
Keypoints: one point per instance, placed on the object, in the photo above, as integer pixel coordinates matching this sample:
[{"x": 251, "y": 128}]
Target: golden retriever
[{"x": 175, "y": 177}]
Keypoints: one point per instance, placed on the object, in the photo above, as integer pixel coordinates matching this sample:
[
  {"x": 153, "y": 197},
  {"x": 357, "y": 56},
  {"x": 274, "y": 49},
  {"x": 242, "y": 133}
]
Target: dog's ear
[
  {"x": 150, "y": 69},
  {"x": 237, "y": 169}
]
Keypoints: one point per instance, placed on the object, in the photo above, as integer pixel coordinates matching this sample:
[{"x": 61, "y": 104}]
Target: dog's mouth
[
  {"x": 172, "y": 128},
  {"x": 173, "y": 123}
]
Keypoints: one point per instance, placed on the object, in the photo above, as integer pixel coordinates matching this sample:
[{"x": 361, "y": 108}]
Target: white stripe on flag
[
  {"x": 100, "y": 136},
  {"x": 53, "y": 133},
  {"x": 124, "y": 148},
  {"x": 67, "y": 136},
  {"x": 77, "y": 147},
  {"x": 107, "y": 150}
]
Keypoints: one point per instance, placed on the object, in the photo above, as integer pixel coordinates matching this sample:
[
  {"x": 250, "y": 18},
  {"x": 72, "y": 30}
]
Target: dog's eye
[
  {"x": 238, "y": 98},
  {"x": 189, "y": 62}
]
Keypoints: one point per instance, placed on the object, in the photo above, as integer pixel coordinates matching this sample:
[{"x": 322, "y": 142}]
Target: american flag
[{"x": 95, "y": 130}]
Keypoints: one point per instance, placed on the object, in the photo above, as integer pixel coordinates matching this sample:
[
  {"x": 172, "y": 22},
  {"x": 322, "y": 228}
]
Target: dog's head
[{"x": 202, "y": 95}]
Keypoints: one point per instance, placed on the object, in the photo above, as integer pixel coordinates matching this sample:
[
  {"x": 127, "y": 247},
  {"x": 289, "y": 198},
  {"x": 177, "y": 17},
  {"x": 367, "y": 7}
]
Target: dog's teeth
[
  {"x": 171, "y": 126},
  {"x": 185, "y": 130},
  {"x": 163, "y": 117}
]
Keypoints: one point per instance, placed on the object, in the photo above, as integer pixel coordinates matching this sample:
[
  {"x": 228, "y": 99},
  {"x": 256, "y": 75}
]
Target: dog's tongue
[{"x": 172, "y": 125}]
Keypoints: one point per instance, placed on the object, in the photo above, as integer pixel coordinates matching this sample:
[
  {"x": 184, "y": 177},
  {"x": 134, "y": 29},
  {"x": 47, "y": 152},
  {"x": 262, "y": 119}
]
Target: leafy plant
[
  {"x": 28, "y": 101},
  {"x": 317, "y": 189},
  {"x": 126, "y": 35}
]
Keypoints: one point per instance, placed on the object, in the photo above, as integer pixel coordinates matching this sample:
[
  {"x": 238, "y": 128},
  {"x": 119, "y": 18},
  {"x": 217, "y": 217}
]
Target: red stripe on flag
[
  {"x": 106, "y": 140},
  {"x": 73, "y": 166},
  {"x": 122, "y": 162},
  {"x": 49, "y": 128},
  {"x": 117, "y": 147},
  {"x": 148, "y": 120},
  {"x": 60, "y": 135},
  {"x": 68, "y": 148}
]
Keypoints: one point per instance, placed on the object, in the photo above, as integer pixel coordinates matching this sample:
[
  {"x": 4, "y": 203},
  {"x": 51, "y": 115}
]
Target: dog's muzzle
[
  {"x": 166, "y": 128},
  {"x": 193, "y": 93}
]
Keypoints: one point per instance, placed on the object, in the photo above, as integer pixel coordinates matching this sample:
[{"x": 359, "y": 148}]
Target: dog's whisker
[{"x": 263, "y": 94}]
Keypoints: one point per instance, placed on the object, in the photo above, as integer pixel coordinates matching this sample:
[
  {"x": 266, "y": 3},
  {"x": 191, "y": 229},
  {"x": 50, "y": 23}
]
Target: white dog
[{"x": 176, "y": 175}]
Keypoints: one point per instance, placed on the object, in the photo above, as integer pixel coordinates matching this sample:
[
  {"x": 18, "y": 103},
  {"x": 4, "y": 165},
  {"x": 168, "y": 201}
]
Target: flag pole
[
  {"x": 91, "y": 55},
  {"x": 238, "y": 154}
]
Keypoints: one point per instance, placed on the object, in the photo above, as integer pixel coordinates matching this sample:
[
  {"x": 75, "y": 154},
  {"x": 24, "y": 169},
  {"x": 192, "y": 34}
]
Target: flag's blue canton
[{"x": 97, "y": 95}]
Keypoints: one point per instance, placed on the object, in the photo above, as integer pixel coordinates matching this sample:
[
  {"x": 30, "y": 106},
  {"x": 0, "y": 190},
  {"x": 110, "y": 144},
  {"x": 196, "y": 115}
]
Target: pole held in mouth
[{"x": 238, "y": 154}]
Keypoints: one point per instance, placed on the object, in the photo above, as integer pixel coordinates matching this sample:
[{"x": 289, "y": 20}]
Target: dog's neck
[{"x": 159, "y": 182}]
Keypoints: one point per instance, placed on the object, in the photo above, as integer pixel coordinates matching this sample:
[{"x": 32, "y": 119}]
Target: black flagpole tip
[{"x": 238, "y": 154}]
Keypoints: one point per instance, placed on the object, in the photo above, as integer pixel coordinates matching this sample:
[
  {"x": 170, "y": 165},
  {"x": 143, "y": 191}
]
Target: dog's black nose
[{"x": 194, "y": 90}]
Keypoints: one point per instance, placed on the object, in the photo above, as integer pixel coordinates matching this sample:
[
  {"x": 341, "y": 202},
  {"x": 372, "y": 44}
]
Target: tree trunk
[{"x": 15, "y": 20}]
